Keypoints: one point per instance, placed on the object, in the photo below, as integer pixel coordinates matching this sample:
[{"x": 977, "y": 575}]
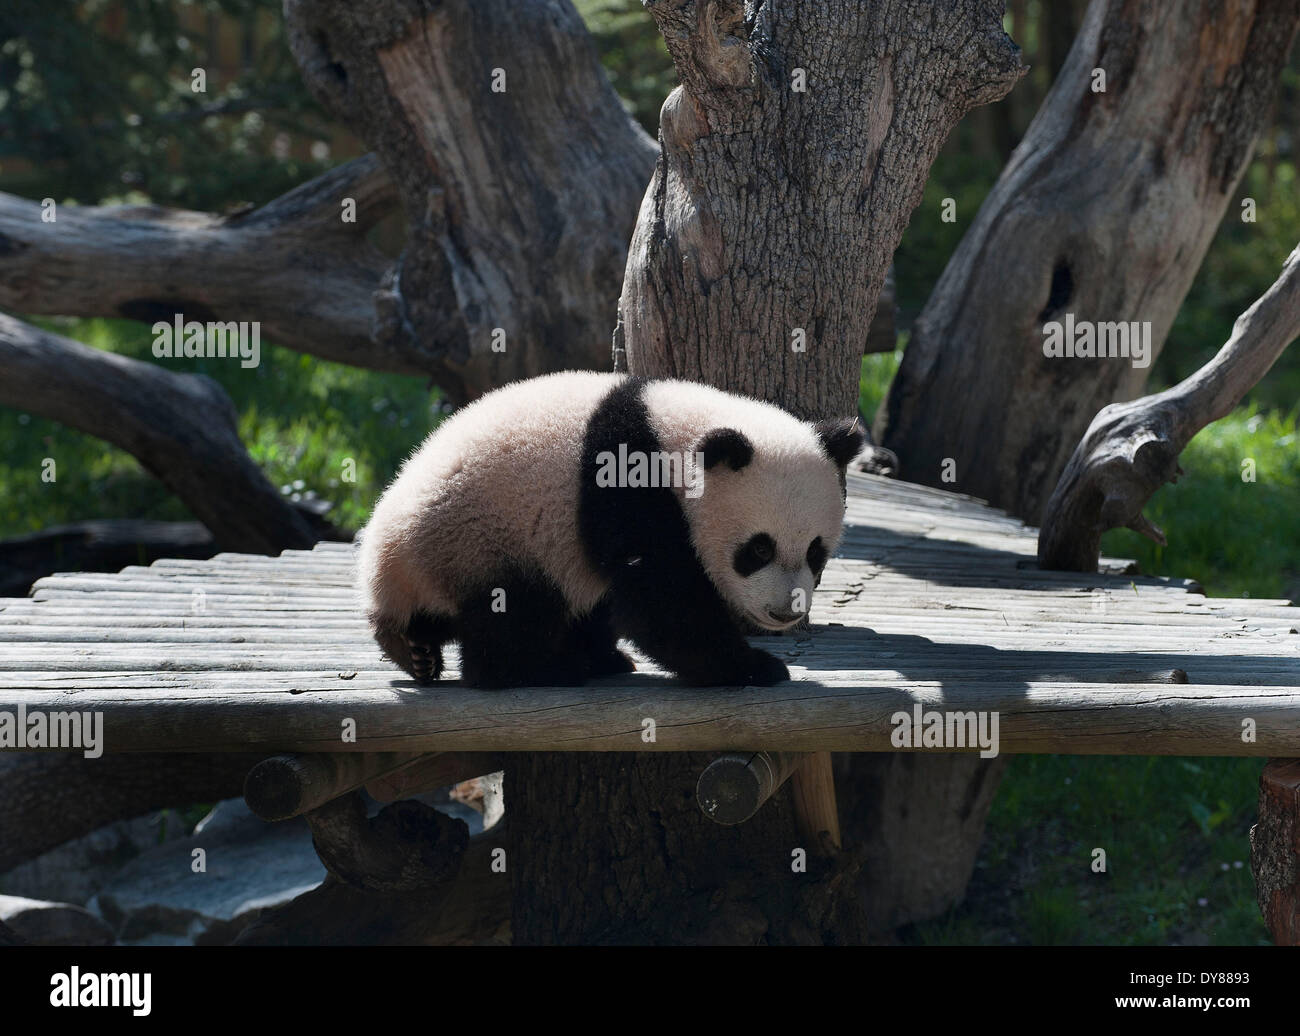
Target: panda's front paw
[{"x": 764, "y": 670}]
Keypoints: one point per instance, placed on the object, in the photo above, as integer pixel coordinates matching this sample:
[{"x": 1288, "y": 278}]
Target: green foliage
[
  {"x": 878, "y": 371},
  {"x": 633, "y": 54},
  {"x": 928, "y": 242},
  {"x": 96, "y": 103},
  {"x": 1244, "y": 259}
]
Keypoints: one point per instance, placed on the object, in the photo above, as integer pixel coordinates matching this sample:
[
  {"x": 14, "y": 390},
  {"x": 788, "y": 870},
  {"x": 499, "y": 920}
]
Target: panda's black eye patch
[
  {"x": 756, "y": 552},
  {"x": 816, "y": 556}
]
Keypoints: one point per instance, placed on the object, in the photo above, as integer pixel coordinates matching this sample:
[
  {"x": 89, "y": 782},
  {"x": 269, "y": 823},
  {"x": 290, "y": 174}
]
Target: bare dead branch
[
  {"x": 1131, "y": 449},
  {"x": 294, "y": 265},
  {"x": 181, "y": 427}
]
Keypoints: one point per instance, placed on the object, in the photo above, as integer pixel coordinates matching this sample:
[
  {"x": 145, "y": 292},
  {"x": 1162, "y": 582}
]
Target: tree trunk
[
  {"x": 51, "y": 797},
  {"x": 791, "y": 159},
  {"x": 1104, "y": 213},
  {"x": 516, "y": 164},
  {"x": 771, "y": 210},
  {"x": 615, "y": 850}
]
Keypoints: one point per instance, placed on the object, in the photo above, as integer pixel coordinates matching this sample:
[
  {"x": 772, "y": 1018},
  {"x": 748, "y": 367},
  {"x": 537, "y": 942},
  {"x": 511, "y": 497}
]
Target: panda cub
[{"x": 550, "y": 517}]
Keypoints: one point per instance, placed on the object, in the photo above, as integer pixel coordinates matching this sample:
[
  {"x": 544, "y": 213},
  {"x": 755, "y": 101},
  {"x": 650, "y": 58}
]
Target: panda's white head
[{"x": 770, "y": 514}]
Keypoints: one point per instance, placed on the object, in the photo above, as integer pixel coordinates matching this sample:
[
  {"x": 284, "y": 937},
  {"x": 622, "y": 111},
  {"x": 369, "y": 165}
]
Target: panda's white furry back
[{"x": 516, "y": 530}]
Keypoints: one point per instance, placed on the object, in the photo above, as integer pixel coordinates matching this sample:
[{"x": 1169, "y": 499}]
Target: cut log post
[
  {"x": 825, "y": 118},
  {"x": 285, "y": 786},
  {"x": 1275, "y": 850},
  {"x": 733, "y": 787},
  {"x": 1131, "y": 449}
]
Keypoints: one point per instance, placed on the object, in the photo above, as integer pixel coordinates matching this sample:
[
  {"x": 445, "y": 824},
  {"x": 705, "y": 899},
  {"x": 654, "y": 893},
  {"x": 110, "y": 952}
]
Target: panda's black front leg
[{"x": 669, "y": 608}]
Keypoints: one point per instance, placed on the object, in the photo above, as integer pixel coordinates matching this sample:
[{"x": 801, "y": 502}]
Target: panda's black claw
[{"x": 426, "y": 662}]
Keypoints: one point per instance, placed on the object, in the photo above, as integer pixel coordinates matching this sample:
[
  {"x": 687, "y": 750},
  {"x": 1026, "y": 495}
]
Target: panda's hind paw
[{"x": 426, "y": 662}]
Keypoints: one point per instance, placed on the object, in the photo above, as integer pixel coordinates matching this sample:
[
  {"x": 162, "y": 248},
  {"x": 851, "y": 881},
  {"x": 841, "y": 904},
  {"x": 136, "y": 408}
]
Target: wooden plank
[{"x": 185, "y": 670}]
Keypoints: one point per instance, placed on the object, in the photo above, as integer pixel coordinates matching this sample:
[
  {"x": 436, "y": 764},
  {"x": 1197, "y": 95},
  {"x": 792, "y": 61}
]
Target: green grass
[
  {"x": 1175, "y": 834},
  {"x": 1237, "y": 537}
]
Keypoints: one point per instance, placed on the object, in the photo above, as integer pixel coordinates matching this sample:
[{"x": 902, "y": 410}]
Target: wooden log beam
[
  {"x": 97, "y": 545},
  {"x": 181, "y": 427},
  {"x": 285, "y": 786},
  {"x": 432, "y": 771},
  {"x": 1275, "y": 850},
  {"x": 847, "y": 713},
  {"x": 733, "y": 787},
  {"x": 1131, "y": 449}
]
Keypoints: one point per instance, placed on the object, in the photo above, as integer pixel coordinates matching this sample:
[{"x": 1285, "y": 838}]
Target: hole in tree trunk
[{"x": 1061, "y": 292}]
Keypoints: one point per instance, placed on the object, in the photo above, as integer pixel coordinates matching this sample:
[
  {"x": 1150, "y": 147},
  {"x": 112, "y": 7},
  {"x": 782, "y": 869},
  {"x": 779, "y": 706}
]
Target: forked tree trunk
[
  {"x": 1105, "y": 212},
  {"x": 791, "y": 159},
  {"x": 517, "y": 167},
  {"x": 771, "y": 210}
]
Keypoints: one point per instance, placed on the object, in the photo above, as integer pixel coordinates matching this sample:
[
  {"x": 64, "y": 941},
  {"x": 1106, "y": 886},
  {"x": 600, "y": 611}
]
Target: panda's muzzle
[{"x": 776, "y": 620}]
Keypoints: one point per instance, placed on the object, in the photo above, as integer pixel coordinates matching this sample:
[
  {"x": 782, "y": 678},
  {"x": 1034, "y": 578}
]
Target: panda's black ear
[
  {"x": 842, "y": 438},
  {"x": 726, "y": 444}
]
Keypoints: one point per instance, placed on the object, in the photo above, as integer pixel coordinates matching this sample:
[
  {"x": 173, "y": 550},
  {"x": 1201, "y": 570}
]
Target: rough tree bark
[
  {"x": 294, "y": 265},
  {"x": 770, "y": 210},
  {"x": 1104, "y": 212},
  {"x": 519, "y": 200},
  {"x": 791, "y": 159},
  {"x": 1275, "y": 850},
  {"x": 181, "y": 427},
  {"x": 1131, "y": 449}
]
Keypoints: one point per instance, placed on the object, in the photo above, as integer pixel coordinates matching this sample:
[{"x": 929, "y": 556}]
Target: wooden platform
[{"x": 934, "y": 599}]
